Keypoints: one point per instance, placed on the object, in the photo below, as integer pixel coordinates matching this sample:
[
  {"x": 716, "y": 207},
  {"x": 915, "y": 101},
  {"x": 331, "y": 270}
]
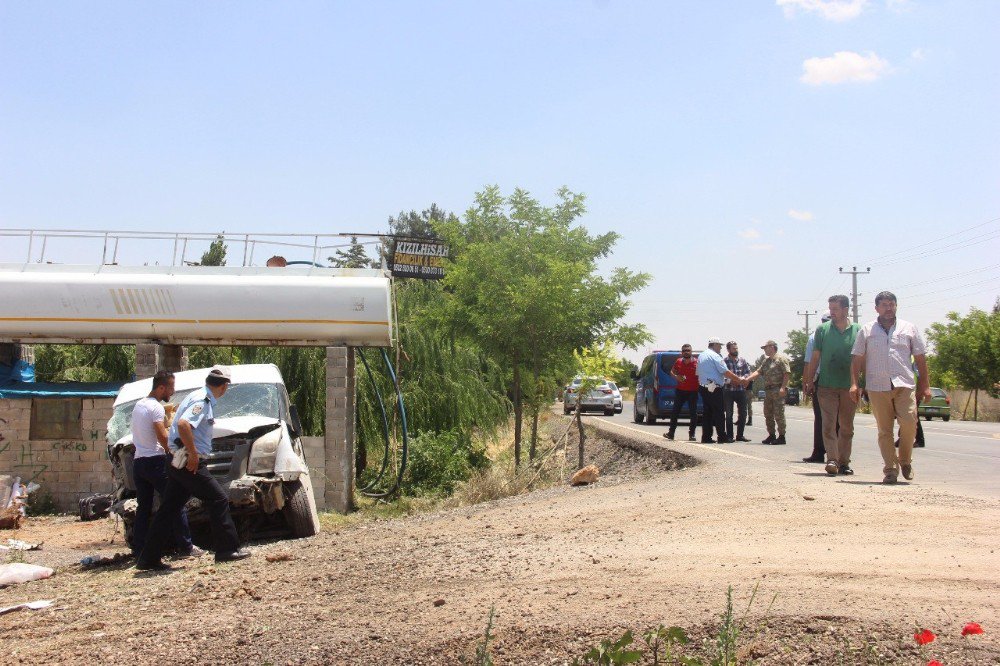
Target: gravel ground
[{"x": 659, "y": 539}]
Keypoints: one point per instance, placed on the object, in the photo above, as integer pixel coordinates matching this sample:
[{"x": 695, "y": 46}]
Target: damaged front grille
[{"x": 228, "y": 453}]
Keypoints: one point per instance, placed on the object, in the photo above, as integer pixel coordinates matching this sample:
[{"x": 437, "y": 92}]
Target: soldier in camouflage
[{"x": 776, "y": 370}]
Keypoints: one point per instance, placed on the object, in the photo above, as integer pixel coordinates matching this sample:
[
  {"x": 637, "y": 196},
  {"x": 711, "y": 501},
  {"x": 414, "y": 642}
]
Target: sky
[{"x": 744, "y": 151}]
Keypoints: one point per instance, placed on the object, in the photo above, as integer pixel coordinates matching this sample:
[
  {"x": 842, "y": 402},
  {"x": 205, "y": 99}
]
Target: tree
[
  {"x": 968, "y": 349},
  {"x": 414, "y": 225},
  {"x": 796, "y": 352},
  {"x": 353, "y": 257},
  {"x": 525, "y": 286},
  {"x": 84, "y": 363},
  {"x": 215, "y": 255},
  {"x": 593, "y": 364}
]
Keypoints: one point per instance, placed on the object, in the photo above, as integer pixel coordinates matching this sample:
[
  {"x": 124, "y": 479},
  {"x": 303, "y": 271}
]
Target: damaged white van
[{"x": 256, "y": 455}]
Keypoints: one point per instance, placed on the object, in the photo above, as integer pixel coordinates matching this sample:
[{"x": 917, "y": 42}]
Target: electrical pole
[
  {"x": 807, "y": 314},
  {"x": 854, "y": 272}
]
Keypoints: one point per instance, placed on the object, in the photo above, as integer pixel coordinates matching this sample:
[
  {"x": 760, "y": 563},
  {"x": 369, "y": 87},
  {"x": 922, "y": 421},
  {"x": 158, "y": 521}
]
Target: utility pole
[
  {"x": 807, "y": 314},
  {"x": 854, "y": 272}
]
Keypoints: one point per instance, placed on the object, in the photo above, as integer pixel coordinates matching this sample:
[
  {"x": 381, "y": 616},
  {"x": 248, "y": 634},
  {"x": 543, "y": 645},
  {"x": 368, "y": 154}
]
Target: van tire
[
  {"x": 636, "y": 416},
  {"x": 300, "y": 508},
  {"x": 946, "y": 418},
  {"x": 650, "y": 418}
]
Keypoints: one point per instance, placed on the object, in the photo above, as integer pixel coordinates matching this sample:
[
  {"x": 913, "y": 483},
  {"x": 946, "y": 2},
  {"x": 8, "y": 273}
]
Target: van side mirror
[
  {"x": 296, "y": 425},
  {"x": 633, "y": 374}
]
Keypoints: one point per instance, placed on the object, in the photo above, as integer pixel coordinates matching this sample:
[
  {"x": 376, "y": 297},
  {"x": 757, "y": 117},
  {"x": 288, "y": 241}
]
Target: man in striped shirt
[{"x": 883, "y": 349}]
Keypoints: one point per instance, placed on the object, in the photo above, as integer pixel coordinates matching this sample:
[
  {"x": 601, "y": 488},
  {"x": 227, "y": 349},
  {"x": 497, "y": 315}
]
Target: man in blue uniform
[{"x": 191, "y": 434}]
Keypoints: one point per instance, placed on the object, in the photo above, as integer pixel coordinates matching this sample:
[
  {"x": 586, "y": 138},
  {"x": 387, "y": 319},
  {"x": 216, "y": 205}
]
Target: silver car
[
  {"x": 618, "y": 397},
  {"x": 599, "y": 399}
]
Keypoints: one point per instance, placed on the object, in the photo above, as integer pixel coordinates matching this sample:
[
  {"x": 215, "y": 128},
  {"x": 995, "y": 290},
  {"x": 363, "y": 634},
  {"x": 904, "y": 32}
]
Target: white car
[
  {"x": 599, "y": 399},
  {"x": 257, "y": 454},
  {"x": 618, "y": 397}
]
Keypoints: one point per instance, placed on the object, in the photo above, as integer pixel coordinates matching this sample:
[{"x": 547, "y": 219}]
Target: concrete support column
[
  {"x": 339, "y": 446},
  {"x": 171, "y": 357},
  {"x": 145, "y": 360},
  {"x": 12, "y": 352}
]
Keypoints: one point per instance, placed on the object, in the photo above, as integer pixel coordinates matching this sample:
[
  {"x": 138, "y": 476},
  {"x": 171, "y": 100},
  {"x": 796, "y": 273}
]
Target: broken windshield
[{"x": 239, "y": 400}]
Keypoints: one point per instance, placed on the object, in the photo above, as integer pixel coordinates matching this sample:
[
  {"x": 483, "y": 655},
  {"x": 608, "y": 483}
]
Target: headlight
[{"x": 263, "y": 452}]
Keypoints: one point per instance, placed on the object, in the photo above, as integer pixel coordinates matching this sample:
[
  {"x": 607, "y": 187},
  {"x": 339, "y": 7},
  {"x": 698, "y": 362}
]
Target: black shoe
[
  {"x": 158, "y": 565},
  {"x": 919, "y": 446},
  {"x": 814, "y": 459},
  {"x": 727, "y": 440},
  {"x": 708, "y": 441},
  {"x": 845, "y": 470},
  {"x": 780, "y": 440},
  {"x": 232, "y": 557},
  {"x": 768, "y": 440},
  {"x": 692, "y": 438},
  {"x": 742, "y": 439},
  {"x": 669, "y": 435},
  {"x": 749, "y": 422}
]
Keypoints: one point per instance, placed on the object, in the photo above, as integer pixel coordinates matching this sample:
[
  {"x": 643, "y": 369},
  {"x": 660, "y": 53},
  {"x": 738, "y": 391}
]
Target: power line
[
  {"x": 949, "y": 277},
  {"x": 947, "y": 248},
  {"x": 882, "y": 258}
]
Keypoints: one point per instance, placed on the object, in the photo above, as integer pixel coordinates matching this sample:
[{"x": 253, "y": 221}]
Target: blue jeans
[{"x": 150, "y": 475}]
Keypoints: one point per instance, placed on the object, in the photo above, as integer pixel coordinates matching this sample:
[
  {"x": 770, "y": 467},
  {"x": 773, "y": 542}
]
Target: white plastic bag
[{"x": 19, "y": 572}]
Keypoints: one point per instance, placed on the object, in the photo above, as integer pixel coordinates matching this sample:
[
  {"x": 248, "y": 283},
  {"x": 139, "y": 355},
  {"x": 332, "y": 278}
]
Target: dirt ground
[{"x": 844, "y": 577}]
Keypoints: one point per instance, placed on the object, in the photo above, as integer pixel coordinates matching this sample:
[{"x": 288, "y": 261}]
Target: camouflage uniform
[{"x": 772, "y": 372}]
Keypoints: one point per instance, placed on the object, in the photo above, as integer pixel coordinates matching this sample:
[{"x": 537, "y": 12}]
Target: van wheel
[
  {"x": 300, "y": 508},
  {"x": 636, "y": 416},
  {"x": 650, "y": 418},
  {"x": 946, "y": 418}
]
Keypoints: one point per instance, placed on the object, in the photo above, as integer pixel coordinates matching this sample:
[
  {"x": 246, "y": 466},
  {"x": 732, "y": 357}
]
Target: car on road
[
  {"x": 257, "y": 454},
  {"x": 792, "y": 397},
  {"x": 761, "y": 394},
  {"x": 615, "y": 391},
  {"x": 656, "y": 389},
  {"x": 599, "y": 399},
  {"x": 939, "y": 405}
]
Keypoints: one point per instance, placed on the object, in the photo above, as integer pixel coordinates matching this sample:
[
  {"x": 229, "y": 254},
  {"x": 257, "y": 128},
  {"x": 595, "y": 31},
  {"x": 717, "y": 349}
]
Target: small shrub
[
  {"x": 41, "y": 503},
  {"x": 438, "y": 462}
]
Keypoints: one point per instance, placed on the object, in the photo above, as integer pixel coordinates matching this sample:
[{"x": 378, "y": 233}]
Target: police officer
[
  {"x": 776, "y": 371},
  {"x": 191, "y": 434}
]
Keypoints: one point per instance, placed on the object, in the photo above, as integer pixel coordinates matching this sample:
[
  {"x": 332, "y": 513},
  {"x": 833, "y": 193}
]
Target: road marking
[{"x": 694, "y": 444}]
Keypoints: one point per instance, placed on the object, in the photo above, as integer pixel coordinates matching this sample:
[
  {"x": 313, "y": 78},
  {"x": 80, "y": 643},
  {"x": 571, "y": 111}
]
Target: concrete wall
[
  {"x": 68, "y": 469},
  {"x": 315, "y": 450}
]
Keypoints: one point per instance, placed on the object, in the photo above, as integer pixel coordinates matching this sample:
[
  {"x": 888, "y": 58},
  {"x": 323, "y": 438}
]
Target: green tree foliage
[
  {"x": 84, "y": 363},
  {"x": 415, "y": 225},
  {"x": 968, "y": 349},
  {"x": 353, "y": 257},
  {"x": 215, "y": 255},
  {"x": 795, "y": 349},
  {"x": 524, "y": 285},
  {"x": 623, "y": 371},
  {"x": 593, "y": 364}
]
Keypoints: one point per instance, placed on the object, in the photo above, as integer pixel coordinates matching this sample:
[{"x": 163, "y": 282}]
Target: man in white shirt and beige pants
[{"x": 883, "y": 349}]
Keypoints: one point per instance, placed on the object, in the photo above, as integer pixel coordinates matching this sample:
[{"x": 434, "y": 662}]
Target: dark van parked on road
[{"x": 655, "y": 389}]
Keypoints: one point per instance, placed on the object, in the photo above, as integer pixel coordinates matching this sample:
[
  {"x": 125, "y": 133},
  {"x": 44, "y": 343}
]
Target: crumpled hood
[{"x": 239, "y": 424}]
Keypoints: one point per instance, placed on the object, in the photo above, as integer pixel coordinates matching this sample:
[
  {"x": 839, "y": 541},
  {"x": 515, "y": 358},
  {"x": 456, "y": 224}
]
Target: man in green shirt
[{"x": 832, "y": 351}]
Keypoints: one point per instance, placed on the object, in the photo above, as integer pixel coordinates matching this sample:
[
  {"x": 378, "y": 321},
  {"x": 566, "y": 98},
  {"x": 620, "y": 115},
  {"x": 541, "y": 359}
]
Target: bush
[
  {"x": 41, "y": 503},
  {"x": 439, "y": 461}
]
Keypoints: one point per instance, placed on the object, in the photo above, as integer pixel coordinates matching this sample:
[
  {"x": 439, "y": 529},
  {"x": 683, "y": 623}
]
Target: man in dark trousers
[
  {"x": 685, "y": 371},
  {"x": 818, "y": 454},
  {"x": 735, "y": 393},
  {"x": 712, "y": 374},
  {"x": 191, "y": 433}
]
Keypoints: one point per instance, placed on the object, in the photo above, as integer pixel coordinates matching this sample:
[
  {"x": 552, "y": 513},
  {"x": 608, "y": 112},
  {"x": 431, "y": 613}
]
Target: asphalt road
[{"x": 961, "y": 457}]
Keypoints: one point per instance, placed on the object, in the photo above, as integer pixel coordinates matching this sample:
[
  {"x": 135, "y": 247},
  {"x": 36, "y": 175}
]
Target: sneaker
[
  {"x": 669, "y": 435},
  {"x": 890, "y": 478},
  {"x": 780, "y": 440},
  {"x": 832, "y": 468},
  {"x": 158, "y": 565},
  {"x": 845, "y": 470},
  {"x": 813, "y": 459},
  {"x": 907, "y": 472},
  {"x": 194, "y": 552},
  {"x": 768, "y": 440},
  {"x": 232, "y": 557}
]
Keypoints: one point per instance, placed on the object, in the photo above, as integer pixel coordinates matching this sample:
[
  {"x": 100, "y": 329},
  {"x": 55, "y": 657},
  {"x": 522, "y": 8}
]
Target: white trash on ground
[
  {"x": 19, "y": 572},
  {"x": 30, "y": 605}
]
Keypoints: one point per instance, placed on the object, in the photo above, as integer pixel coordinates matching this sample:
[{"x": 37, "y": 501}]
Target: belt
[{"x": 772, "y": 388}]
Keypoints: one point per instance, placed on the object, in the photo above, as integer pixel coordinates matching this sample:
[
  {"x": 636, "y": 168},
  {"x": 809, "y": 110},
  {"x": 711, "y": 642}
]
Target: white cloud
[
  {"x": 831, "y": 10},
  {"x": 800, "y": 215},
  {"x": 844, "y": 67},
  {"x": 749, "y": 234},
  {"x": 898, "y": 6},
  {"x": 918, "y": 54},
  {"x": 760, "y": 247}
]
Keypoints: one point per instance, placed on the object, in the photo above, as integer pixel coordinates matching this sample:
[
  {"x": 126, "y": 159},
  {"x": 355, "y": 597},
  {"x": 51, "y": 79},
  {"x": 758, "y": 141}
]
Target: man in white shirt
[
  {"x": 149, "y": 468},
  {"x": 883, "y": 349}
]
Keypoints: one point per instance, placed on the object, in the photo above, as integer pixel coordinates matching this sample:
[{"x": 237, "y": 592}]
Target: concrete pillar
[
  {"x": 339, "y": 467},
  {"x": 12, "y": 352},
  {"x": 171, "y": 357},
  {"x": 145, "y": 360}
]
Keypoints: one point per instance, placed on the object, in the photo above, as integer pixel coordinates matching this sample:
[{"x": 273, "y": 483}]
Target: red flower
[
  {"x": 972, "y": 628},
  {"x": 924, "y": 637},
  {"x": 934, "y": 662}
]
